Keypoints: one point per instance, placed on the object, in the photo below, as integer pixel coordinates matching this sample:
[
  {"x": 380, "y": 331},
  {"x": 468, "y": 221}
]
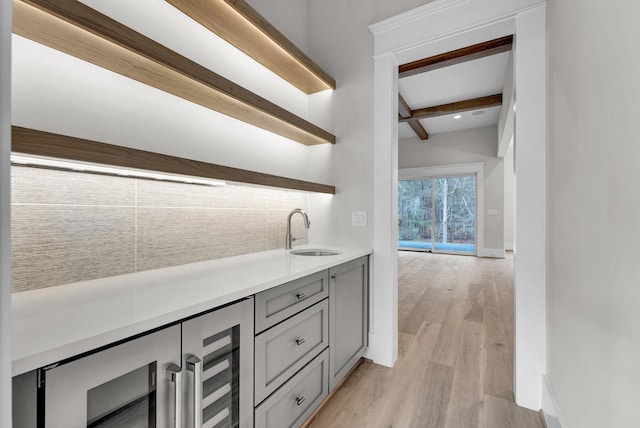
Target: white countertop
[{"x": 55, "y": 323}]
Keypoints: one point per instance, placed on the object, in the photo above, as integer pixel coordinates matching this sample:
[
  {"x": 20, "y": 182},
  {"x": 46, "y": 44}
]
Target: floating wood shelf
[
  {"x": 239, "y": 24},
  {"x": 76, "y": 29},
  {"x": 40, "y": 143}
]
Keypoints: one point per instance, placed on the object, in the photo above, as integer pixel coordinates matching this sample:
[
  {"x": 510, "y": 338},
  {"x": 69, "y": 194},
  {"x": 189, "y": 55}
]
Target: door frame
[
  {"x": 476, "y": 169},
  {"x": 440, "y": 26}
]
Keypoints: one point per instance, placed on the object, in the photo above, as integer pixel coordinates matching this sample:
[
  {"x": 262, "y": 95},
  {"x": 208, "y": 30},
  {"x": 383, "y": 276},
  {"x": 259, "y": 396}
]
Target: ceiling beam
[
  {"x": 457, "y": 107},
  {"x": 405, "y": 111},
  {"x": 469, "y": 53}
]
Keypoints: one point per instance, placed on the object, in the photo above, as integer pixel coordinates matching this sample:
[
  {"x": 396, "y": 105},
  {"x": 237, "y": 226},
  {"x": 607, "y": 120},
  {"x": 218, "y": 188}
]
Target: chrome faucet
[{"x": 289, "y": 238}]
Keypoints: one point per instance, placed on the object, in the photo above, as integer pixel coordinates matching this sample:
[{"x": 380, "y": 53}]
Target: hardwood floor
[{"x": 455, "y": 362}]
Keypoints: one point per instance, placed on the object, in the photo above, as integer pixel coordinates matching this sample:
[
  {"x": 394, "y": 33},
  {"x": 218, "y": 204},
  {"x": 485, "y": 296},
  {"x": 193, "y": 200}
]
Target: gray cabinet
[
  {"x": 279, "y": 303},
  {"x": 294, "y": 402},
  {"x": 348, "y": 323},
  {"x": 218, "y": 369},
  {"x": 284, "y": 349},
  {"x": 295, "y": 322}
]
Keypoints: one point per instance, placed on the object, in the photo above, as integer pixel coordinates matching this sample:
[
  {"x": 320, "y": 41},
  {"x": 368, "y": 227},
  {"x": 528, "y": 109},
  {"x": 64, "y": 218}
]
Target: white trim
[
  {"x": 440, "y": 171},
  {"x": 530, "y": 322},
  {"x": 413, "y": 15},
  {"x": 471, "y": 22},
  {"x": 497, "y": 253},
  {"x": 383, "y": 344},
  {"x": 550, "y": 408},
  {"x": 442, "y": 19},
  {"x": 5, "y": 212},
  {"x": 508, "y": 246}
]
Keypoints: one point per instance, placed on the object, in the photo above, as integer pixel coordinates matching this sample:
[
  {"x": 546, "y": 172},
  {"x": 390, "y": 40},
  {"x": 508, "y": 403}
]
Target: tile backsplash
[{"x": 71, "y": 226}]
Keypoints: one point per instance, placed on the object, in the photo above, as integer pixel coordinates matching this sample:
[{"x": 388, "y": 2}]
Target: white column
[
  {"x": 5, "y": 211},
  {"x": 530, "y": 182},
  {"x": 383, "y": 338}
]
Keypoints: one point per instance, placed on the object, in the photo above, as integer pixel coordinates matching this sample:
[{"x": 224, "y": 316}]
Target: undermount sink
[{"x": 315, "y": 252}]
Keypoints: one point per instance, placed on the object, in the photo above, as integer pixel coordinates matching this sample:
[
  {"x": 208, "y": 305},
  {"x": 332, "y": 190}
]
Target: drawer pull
[
  {"x": 301, "y": 296},
  {"x": 300, "y": 400},
  {"x": 334, "y": 276},
  {"x": 300, "y": 341}
]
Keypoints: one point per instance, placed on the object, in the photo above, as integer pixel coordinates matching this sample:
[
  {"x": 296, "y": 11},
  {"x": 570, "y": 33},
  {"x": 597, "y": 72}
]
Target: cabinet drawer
[
  {"x": 292, "y": 404},
  {"x": 284, "y": 349},
  {"x": 279, "y": 303}
]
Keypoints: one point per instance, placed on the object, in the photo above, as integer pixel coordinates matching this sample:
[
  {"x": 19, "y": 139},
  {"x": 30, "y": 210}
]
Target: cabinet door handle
[
  {"x": 301, "y": 296},
  {"x": 300, "y": 400},
  {"x": 334, "y": 276},
  {"x": 194, "y": 365},
  {"x": 300, "y": 341},
  {"x": 174, "y": 374}
]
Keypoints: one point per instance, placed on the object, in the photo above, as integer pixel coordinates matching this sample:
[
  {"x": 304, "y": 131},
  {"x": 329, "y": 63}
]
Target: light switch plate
[{"x": 359, "y": 218}]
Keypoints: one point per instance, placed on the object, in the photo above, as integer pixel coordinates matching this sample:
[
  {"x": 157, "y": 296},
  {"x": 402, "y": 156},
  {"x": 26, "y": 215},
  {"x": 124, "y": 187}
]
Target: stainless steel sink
[{"x": 315, "y": 252}]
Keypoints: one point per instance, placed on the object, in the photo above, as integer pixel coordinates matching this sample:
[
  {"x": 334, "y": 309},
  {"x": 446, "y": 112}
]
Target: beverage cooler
[{"x": 195, "y": 374}]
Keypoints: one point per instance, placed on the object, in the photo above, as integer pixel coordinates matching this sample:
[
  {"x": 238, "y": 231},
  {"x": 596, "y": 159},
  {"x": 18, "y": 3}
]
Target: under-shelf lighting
[
  {"x": 457, "y": 116},
  {"x": 69, "y": 165},
  {"x": 238, "y": 23}
]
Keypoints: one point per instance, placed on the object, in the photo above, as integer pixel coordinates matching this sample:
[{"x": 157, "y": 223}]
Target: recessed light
[
  {"x": 478, "y": 112},
  {"x": 457, "y": 116}
]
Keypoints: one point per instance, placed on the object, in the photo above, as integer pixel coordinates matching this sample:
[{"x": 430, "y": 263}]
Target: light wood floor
[{"x": 455, "y": 363}]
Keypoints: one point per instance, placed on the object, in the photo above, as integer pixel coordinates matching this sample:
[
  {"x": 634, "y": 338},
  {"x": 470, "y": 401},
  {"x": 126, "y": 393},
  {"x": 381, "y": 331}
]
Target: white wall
[
  {"x": 508, "y": 200},
  {"x": 594, "y": 206},
  {"x": 459, "y": 147},
  {"x": 5, "y": 211},
  {"x": 290, "y": 17},
  {"x": 341, "y": 43}
]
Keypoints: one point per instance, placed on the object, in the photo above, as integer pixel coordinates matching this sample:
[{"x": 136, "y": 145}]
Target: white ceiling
[{"x": 460, "y": 82}]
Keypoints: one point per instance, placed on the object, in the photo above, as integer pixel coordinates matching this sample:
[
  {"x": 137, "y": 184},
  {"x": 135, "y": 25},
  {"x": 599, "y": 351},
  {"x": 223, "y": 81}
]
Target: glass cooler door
[
  {"x": 218, "y": 368},
  {"x": 122, "y": 386}
]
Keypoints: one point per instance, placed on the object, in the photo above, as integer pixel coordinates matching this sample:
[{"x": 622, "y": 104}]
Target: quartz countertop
[{"x": 56, "y": 323}]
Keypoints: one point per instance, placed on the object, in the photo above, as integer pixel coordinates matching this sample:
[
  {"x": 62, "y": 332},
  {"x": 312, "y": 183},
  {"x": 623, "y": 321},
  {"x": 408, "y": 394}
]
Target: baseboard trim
[
  {"x": 550, "y": 412},
  {"x": 491, "y": 252}
]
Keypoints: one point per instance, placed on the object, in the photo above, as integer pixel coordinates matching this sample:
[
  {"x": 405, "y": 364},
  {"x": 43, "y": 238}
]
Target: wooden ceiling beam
[
  {"x": 458, "y": 56},
  {"x": 78, "y": 30},
  {"x": 405, "y": 111},
  {"x": 457, "y": 107}
]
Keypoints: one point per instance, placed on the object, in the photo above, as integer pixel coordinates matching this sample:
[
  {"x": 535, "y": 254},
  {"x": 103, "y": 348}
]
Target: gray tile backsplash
[
  {"x": 72, "y": 226},
  {"x": 59, "y": 244},
  {"x": 175, "y": 236}
]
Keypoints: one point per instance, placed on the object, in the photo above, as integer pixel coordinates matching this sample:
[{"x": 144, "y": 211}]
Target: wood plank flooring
[{"x": 455, "y": 363}]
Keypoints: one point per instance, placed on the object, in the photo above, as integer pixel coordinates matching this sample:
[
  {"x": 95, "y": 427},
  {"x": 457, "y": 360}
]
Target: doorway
[
  {"x": 434, "y": 28},
  {"x": 438, "y": 214}
]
